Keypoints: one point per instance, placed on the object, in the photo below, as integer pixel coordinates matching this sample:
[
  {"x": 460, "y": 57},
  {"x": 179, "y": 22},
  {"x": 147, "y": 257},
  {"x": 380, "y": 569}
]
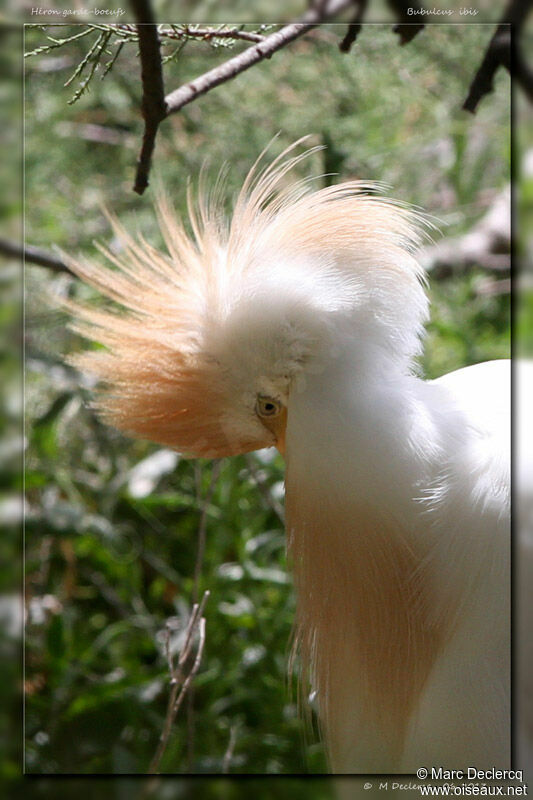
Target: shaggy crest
[{"x": 159, "y": 378}]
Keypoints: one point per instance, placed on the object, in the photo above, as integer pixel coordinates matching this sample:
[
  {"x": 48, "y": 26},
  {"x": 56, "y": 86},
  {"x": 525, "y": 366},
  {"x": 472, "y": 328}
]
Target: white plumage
[{"x": 297, "y": 324}]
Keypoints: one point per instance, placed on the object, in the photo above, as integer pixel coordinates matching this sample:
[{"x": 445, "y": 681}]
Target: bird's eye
[{"x": 267, "y": 407}]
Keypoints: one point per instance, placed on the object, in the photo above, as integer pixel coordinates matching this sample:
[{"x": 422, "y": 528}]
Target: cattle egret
[{"x": 297, "y": 324}]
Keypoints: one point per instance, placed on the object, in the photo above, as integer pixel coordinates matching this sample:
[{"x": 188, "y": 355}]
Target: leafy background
[{"x": 112, "y": 525}]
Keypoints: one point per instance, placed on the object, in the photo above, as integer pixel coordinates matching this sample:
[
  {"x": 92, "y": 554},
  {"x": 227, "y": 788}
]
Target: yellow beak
[{"x": 278, "y": 425}]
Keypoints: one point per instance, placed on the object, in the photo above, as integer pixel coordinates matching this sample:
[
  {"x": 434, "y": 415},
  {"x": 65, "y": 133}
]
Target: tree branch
[
  {"x": 193, "y": 32},
  {"x": 486, "y": 245},
  {"x": 228, "y": 755},
  {"x": 498, "y": 54},
  {"x": 354, "y": 27},
  {"x": 406, "y": 28},
  {"x": 179, "y": 98},
  {"x": 180, "y": 681},
  {"x": 181, "y": 32},
  {"x": 154, "y": 108},
  {"x": 33, "y": 255}
]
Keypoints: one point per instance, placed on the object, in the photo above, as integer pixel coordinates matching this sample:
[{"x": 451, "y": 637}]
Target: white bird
[{"x": 297, "y": 324}]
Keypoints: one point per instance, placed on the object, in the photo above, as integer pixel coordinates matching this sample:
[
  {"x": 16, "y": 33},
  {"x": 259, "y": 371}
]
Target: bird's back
[
  {"x": 483, "y": 393},
  {"x": 464, "y": 711}
]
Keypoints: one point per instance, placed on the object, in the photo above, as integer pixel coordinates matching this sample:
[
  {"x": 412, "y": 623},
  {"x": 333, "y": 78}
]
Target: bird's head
[{"x": 204, "y": 345}]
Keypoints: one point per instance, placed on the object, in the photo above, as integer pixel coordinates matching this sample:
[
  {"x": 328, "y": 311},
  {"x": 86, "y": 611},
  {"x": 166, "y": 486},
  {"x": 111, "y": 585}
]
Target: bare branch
[
  {"x": 406, "y": 28},
  {"x": 200, "y": 550},
  {"x": 207, "y": 34},
  {"x": 179, "y": 681},
  {"x": 33, "y": 255},
  {"x": 498, "y": 54},
  {"x": 154, "y": 108},
  {"x": 487, "y": 245},
  {"x": 354, "y": 28},
  {"x": 179, "y": 98},
  {"x": 195, "y": 666},
  {"x": 184, "y": 32},
  {"x": 228, "y": 755}
]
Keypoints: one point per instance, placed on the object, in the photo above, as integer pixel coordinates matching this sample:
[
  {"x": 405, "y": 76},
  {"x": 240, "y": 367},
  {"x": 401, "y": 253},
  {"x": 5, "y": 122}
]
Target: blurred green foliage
[
  {"x": 112, "y": 524},
  {"x": 10, "y": 410}
]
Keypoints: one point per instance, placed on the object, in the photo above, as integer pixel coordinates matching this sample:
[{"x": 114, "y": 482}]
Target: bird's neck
[{"x": 354, "y": 461}]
